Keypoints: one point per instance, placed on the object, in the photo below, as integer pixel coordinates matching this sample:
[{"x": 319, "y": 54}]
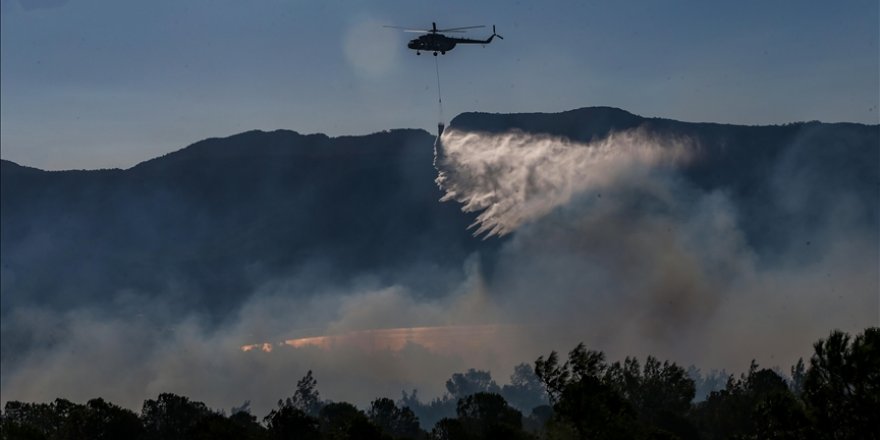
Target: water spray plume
[{"x": 513, "y": 178}]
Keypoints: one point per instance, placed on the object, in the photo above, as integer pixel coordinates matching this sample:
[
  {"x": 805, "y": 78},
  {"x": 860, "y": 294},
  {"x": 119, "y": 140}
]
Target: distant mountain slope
[
  {"x": 132, "y": 282},
  {"x": 221, "y": 216},
  {"x": 212, "y": 222}
]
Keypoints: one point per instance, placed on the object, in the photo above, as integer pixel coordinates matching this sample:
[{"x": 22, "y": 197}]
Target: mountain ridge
[
  {"x": 615, "y": 119},
  {"x": 210, "y": 141},
  {"x": 227, "y": 213},
  {"x": 223, "y": 215}
]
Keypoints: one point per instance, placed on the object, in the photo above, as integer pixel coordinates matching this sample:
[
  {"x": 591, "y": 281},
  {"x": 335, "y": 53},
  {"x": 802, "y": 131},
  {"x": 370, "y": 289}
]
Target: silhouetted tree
[
  {"x": 216, "y": 426},
  {"x": 525, "y": 390},
  {"x": 538, "y": 418},
  {"x": 287, "y": 422},
  {"x": 839, "y": 397},
  {"x": 488, "y": 416},
  {"x": 724, "y": 412},
  {"x": 342, "y": 421},
  {"x": 715, "y": 380},
  {"x": 585, "y": 363},
  {"x": 103, "y": 420},
  {"x": 399, "y": 423},
  {"x": 660, "y": 394},
  {"x": 842, "y": 385},
  {"x": 596, "y": 410},
  {"x": 172, "y": 417},
  {"x": 17, "y": 430},
  {"x": 758, "y": 404},
  {"x": 798, "y": 374},
  {"x": 63, "y": 419},
  {"x": 241, "y": 416},
  {"x": 555, "y": 377},
  {"x": 449, "y": 429},
  {"x": 432, "y": 412},
  {"x": 458, "y": 386},
  {"x": 591, "y": 399},
  {"x": 471, "y": 382},
  {"x": 581, "y": 363},
  {"x": 33, "y": 420},
  {"x": 780, "y": 415},
  {"x": 306, "y": 396},
  {"x": 429, "y": 413}
]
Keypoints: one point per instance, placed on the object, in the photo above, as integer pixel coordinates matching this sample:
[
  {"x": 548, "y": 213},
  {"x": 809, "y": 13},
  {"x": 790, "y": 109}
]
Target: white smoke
[
  {"x": 371, "y": 51},
  {"x": 143, "y": 349},
  {"x": 514, "y": 178},
  {"x": 614, "y": 246}
]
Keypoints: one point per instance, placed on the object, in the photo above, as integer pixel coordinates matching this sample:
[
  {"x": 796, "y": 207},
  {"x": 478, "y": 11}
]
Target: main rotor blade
[
  {"x": 421, "y": 31},
  {"x": 406, "y": 29},
  {"x": 461, "y": 28}
]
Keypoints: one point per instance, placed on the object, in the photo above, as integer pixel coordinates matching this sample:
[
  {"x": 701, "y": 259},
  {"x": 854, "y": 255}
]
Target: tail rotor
[{"x": 494, "y": 34}]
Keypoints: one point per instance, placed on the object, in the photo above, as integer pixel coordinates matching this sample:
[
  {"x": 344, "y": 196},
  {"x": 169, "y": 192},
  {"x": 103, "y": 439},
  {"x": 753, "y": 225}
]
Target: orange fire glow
[
  {"x": 265, "y": 346},
  {"x": 438, "y": 338}
]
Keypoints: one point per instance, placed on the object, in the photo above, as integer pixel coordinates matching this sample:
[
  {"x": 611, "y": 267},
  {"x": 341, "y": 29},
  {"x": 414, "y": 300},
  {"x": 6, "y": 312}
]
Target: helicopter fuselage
[{"x": 434, "y": 42}]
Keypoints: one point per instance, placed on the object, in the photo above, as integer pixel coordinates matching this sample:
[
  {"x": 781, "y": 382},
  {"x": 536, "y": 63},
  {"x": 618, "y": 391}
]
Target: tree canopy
[{"x": 836, "y": 395}]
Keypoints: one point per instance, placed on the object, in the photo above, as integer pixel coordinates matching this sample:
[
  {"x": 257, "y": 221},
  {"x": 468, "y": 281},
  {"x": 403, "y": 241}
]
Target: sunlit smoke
[
  {"x": 370, "y": 50},
  {"x": 514, "y": 178}
]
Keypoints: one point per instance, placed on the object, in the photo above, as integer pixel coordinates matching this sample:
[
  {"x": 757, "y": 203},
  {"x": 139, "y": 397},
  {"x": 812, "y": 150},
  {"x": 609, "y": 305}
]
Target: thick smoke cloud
[
  {"x": 615, "y": 246},
  {"x": 607, "y": 242},
  {"x": 143, "y": 348}
]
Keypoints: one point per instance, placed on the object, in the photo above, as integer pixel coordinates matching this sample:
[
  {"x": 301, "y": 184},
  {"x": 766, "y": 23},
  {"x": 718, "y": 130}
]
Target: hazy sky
[{"x": 104, "y": 83}]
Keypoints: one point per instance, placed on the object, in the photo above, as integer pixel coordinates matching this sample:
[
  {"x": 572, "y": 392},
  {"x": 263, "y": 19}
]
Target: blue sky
[{"x": 105, "y": 83}]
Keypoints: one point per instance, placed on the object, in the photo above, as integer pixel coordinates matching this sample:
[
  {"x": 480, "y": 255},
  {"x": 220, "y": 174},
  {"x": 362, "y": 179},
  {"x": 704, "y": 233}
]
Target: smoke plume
[
  {"x": 612, "y": 242},
  {"x": 615, "y": 245}
]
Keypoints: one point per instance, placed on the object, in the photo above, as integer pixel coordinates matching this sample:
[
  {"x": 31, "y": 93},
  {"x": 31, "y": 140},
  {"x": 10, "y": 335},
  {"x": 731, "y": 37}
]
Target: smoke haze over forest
[{"x": 706, "y": 244}]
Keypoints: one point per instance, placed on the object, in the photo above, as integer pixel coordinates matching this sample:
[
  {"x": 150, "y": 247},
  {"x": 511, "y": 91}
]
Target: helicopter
[{"x": 435, "y": 41}]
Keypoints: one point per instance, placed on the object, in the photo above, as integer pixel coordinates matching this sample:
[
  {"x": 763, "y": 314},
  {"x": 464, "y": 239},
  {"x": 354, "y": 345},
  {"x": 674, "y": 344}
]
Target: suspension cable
[{"x": 439, "y": 95}]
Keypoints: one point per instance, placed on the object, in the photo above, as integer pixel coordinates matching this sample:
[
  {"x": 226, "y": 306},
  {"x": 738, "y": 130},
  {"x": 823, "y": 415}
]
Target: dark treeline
[{"x": 835, "y": 395}]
